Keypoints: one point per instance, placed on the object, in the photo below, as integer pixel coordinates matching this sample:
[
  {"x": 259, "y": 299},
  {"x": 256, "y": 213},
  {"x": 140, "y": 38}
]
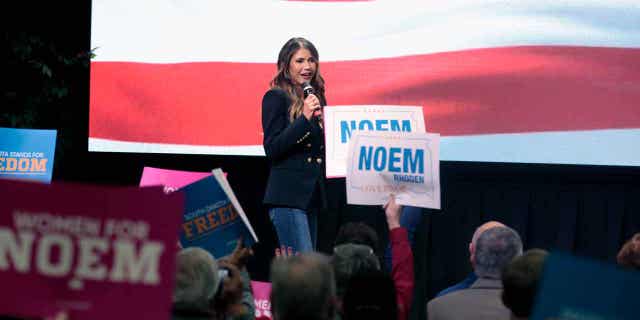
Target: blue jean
[
  {"x": 410, "y": 219},
  {"x": 296, "y": 228}
]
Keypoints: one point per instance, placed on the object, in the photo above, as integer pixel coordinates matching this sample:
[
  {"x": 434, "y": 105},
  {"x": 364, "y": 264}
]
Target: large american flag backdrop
[{"x": 504, "y": 81}]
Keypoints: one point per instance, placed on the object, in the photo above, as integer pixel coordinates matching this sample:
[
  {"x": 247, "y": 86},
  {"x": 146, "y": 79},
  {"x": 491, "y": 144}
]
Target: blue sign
[
  {"x": 577, "y": 288},
  {"x": 210, "y": 220},
  {"x": 27, "y": 154}
]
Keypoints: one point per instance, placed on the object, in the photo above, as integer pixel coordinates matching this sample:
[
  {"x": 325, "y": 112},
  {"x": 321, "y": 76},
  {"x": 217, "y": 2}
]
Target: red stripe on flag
[{"x": 498, "y": 90}]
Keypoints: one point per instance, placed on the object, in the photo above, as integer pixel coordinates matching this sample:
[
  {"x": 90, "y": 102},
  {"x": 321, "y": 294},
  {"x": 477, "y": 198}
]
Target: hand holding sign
[{"x": 393, "y": 211}]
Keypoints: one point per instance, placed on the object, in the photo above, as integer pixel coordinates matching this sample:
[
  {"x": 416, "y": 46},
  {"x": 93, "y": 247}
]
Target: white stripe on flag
[
  {"x": 163, "y": 31},
  {"x": 107, "y": 145}
]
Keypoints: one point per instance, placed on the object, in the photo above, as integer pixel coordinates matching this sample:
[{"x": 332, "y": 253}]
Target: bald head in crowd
[
  {"x": 482, "y": 228},
  {"x": 303, "y": 287},
  {"x": 494, "y": 249}
]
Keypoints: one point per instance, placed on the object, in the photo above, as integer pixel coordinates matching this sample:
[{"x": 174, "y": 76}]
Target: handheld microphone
[{"x": 307, "y": 89}]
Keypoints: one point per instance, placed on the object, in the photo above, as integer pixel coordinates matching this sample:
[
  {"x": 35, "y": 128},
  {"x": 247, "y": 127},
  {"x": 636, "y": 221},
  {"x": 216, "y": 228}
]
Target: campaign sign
[
  {"x": 93, "y": 252},
  {"x": 27, "y": 154},
  {"x": 405, "y": 164},
  {"x": 577, "y": 288},
  {"x": 224, "y": 183},
  {"x": 171, "y": 180},
  {"x": 342, "y": 121},
  {"x": 213, "y": 219},
  {"x": 262, "y": 299}
]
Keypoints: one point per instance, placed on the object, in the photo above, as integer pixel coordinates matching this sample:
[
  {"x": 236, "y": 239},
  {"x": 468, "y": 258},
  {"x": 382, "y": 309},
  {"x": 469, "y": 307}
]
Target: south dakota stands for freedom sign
[
  {"x": 27, "y": 154},
  {"x": 213, "y": 218}
]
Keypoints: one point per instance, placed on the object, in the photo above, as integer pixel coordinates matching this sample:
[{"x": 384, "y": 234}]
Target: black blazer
[{"x": 295, "y": 151}]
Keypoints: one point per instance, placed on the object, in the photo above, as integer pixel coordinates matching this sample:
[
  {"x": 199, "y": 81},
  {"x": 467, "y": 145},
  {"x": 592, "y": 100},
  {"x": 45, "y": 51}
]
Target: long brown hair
[{"x": 282, "y": 79}]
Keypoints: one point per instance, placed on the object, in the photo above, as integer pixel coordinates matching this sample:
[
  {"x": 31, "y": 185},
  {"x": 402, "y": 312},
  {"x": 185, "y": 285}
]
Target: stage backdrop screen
[{"x": 502, "y": 81}]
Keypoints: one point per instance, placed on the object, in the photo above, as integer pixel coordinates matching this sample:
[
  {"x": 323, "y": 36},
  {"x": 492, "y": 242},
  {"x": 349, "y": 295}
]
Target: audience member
[
  {"x": 520, "y": 280},
  {"x": 493, "y": 249},
  {"x": 358, "y": 233},
  {"x": 629, "y": 254},
  {"x": 353, "y": 258},
  {"x": 302, "y": 287},
  {"x": 197, "y": 282},
  {"x": 471, "y": 278},
  {"x": 370, "y": 296},
  {"x": 239, "y": 258},
  {"x": 210, "y": 289},
  {"x": 350, "y": 259}
]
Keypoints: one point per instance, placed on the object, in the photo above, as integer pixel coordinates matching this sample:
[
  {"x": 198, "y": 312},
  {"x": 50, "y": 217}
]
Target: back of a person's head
[
  {"x": 370, "y": 295},
  {"x": 520, "y": 280},
  {"x": 196, "y": 280},
  {"x": 350, "y": 259},
  {"x": 302, "y": 287},
  {"x": 357, "y": 233},
  {"x": 495, "y": 248},
  {"x": 629, "y": 254}
]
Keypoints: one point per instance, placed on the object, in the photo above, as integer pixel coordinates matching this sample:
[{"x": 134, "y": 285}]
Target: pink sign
[
  {"x": 92, "y": 252},
  {"x": 170, "y": 179},
  {"x": 261, "y": 292}
]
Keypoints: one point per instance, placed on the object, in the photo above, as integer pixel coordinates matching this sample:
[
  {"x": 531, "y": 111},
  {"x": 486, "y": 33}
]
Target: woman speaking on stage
[{"x": 294, "y": 145}]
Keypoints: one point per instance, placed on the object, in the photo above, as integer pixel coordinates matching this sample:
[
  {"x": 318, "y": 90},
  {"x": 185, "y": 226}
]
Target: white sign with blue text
[
  {"x": 405, "y": 164},
  {"x": 342, "y": 121}
]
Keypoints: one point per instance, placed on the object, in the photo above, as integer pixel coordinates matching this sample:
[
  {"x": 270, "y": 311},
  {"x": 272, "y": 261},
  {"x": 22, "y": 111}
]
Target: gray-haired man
[{"x": 493, "y": 249}]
